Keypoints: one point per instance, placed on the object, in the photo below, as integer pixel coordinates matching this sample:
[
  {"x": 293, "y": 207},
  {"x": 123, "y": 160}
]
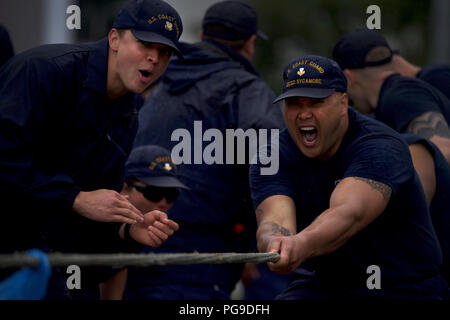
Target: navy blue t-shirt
[
  {"x": 401, "y": 241},
  {"x": 402, "y": 99},
  {"x": 440, "y": 204},
  {"x": 438, "y": 75}
]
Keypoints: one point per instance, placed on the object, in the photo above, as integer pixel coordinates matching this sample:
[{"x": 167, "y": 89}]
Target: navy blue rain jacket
[{"x": 59, "y": 134}]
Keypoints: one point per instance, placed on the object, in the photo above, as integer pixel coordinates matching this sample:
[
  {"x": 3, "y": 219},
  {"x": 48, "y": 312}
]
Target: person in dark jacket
[
  {"x": 67, "y": 125},
  {"x": 214, "y": 90}
]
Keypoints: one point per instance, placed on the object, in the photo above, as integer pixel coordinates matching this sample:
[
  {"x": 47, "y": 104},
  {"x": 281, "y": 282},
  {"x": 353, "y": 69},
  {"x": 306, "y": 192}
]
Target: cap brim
[
  {"x": 262, "y": 35},
  {"x": 156, "y": 38},
  {"x": 305, "y": 92},
  {"x": 168, "y": 182}
]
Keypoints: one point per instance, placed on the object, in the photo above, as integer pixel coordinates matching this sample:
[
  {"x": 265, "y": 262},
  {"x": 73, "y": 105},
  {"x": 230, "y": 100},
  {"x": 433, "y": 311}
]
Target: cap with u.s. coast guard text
[
  {"x": 153, "y": 165},
  {"x": 313, "y": 77},
  {"x": 152, "y": 21}
]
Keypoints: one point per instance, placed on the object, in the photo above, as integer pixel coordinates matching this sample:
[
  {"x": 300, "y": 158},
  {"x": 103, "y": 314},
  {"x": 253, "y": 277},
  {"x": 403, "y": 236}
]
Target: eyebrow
[{"x": 313, "y": 100}]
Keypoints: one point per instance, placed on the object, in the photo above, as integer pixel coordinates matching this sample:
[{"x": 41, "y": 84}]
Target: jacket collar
[{"x": 97, "y": 71}]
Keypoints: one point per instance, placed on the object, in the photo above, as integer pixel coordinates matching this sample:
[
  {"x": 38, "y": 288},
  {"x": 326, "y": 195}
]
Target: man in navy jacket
[{"x": 67, "y": 125}]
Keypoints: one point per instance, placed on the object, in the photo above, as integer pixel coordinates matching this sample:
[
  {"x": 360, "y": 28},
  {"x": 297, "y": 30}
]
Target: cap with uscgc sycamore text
[{"x": 313, "y": 77}]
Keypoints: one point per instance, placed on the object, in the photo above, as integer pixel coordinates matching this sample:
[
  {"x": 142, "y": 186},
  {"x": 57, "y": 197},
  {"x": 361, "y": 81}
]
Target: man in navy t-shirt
[
  {"x": 404, "y": 104},
  {"x": 346, "y": 203}
]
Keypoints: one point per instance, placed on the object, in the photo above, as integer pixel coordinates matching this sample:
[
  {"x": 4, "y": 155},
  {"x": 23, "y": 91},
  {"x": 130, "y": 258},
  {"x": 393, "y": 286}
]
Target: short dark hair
[
  {"x": 219, "y": 29},
  {"x": 121, "y": 32}
]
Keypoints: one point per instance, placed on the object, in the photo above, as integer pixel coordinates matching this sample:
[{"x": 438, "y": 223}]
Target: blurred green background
[
  {"x": 418, "y": 28},
  {"x": 299, "y": 27},
  {"x": 313, "y": 27}
]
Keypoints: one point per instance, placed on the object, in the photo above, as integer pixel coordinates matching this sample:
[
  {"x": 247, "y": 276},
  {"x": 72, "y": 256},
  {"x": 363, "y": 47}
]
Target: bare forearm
[
  {"x": 329, "y": 231},
  {"x": 275, "y": 217},
  {"x": 266, "y": 231}
]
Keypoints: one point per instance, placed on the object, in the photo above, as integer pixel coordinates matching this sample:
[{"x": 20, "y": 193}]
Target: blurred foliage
[{"x": 300, "y": 27}]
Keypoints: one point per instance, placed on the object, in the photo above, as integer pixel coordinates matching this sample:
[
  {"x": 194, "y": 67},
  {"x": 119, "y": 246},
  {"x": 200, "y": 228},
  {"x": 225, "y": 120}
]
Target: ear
[
  {"x": 114, "y": 39},
  {"x": 201, "y": 34},
  {"x": 350, "y": 76},
  {"x": 249, "y": 47},
  {"x": 344, "y": 103}
]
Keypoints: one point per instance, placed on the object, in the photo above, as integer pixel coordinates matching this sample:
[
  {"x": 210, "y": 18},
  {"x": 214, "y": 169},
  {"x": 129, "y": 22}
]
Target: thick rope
[{"x": 19, "y": 260}]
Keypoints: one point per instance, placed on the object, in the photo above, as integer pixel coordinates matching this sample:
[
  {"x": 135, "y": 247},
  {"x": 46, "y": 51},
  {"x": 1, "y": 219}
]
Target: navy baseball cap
[
  {"x": 238, "y": 16},
  {"x": 313, "y": 77},
  {"x": 152, "y": 165},
  {"x": 151, "y": 21},
  {"x": 353, "y": 50}
]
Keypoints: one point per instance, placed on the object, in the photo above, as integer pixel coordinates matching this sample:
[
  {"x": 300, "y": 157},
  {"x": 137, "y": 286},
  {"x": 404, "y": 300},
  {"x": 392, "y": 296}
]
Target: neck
[
  {"x": 114, "y": 85},
  {"x": 374, "y": 87},
  {"x": 413, "y": 71},
  {"x": 246, "y": 55}
]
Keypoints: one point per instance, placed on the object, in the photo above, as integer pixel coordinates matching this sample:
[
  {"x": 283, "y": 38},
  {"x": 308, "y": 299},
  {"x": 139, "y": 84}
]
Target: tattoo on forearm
[
  {"x": 385, "y": 190},
  {"x": 429, "y": 124},
  {"x": 277, "y": 229}
]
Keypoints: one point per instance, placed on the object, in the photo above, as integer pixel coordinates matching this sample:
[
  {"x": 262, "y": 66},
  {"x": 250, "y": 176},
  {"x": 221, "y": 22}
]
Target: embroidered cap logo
[
  {"x": 301, "y": 71},
  {"x": 169, "y": 26}
]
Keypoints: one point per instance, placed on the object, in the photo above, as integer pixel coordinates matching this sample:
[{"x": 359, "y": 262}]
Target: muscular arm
[
  {"x": 354, "y": 204},
  {"x": 424, "y": 165},
  {"x": 432, "y": 126}
]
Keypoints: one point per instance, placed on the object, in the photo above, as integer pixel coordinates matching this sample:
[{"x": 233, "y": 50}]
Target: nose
[
  {"x": 153, "y": 55},
  {"x": 304, "y": 112},
  {"x": 163, "y": 204},
  {"x": 299, "y": 111}
]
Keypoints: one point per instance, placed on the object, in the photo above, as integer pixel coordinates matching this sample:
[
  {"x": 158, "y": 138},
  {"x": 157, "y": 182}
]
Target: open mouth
[
  {"x": 309, "y": 135},
  {"x": 145, "y": 75}
]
